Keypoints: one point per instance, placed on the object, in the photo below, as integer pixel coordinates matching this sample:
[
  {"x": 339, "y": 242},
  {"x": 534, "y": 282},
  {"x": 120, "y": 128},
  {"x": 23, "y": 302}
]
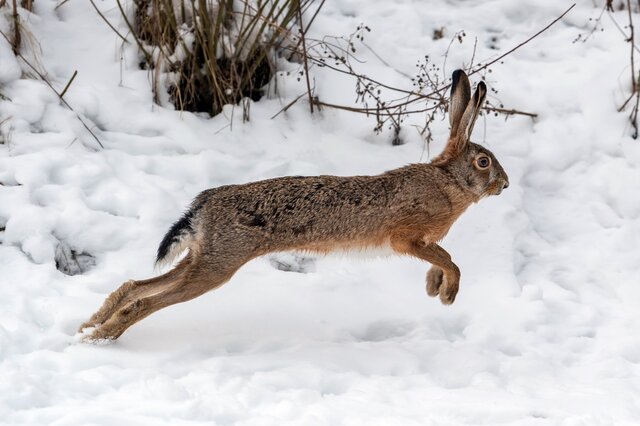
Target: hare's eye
[{"x": 483, "y": 162}]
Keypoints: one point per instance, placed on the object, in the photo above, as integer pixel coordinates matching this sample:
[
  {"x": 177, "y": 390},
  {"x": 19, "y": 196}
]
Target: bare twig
[
  {"x": 434, "y": 101},
  {"x": 289, "y": 105},
  {"x": 607, "y": 7},
  {"x": 68, "y": 84},
  {"x": 473, "y": 55},
  {"x": 371, "y": 111},
  {"x": 17, "y": 39},
  {"x": 48, "y": 83},
  {"x": 63, "y": 2},
  {"x": 146, "y": 54},
  {"x": 313, "y": 18},
  {"x": 619, "y": 28},
  {"x": 510, "y": 111},
  {"x": 459, "y": 36},
  {"x": 104, "y": 18},
  {"x": 631, "y": 40},
  {"x": 385, "y": 63},
  {"x": 304, "y": 57},
  {"x": 523, "y": 43},
  {"x": 633, "y": 118}
]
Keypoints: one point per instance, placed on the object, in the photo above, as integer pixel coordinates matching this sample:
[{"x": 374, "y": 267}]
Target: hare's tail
[{"x": 177, "y": 239}]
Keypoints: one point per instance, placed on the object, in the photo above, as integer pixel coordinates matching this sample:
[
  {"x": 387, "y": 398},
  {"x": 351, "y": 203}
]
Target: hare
[{"x": 409, "y": 209}]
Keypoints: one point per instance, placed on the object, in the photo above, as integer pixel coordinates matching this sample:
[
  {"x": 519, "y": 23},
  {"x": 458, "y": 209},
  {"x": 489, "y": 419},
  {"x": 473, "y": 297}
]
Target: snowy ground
[{"x": 544, "y": 330}]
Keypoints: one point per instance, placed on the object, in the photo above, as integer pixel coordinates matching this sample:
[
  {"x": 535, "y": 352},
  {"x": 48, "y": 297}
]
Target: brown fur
[{"x": 409, "y": 209}]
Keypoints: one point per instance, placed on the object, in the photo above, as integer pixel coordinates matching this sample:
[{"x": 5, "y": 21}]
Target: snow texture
[{"x": 544, "y": 330}]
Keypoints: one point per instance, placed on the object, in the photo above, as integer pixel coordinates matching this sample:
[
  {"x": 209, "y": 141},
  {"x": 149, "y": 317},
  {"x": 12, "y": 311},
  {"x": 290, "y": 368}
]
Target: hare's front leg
[{"x": 444, "y": 276}]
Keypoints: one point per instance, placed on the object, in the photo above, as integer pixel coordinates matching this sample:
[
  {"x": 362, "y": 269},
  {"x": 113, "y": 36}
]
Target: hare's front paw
[
  {"x": 448, "y": 293},
  {"x": 445, "y": 285},
  {"x": 449, "y": 288},
  {"x": 434, "y": 281}
]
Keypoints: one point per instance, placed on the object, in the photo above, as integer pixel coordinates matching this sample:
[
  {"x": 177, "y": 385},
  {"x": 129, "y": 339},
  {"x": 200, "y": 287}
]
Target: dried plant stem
[
  {"x": 207, "y": 54},
  {"x": 433, "y": 100},
  {"x": 59, "y": 94},
  {"x": 304, "y": 57},
  {"x": 75, "y": 73},
  {"x": 133, "y": 31},
  {"x": 17, "y": 39},
  {"x": 631, "y": 40},
  {"x": 507, "y": 111},
  {"x": 289, "y": 105},
  {"x": 633, "y": 117},
  {"x": 510, "y": 111},
  {"x": 61, "y": 4},
  {"x": 523, "y": 43},
  {"x": 104, "y": 18}
]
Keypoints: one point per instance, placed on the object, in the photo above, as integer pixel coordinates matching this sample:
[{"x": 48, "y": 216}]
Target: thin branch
[
  {"x": 68, "y": 84},
  {"x": 289, "y": 105},
  {"x": 383, "y": 61},
  {"x": 304, "y": 58},
  {"x": 615, "y": 23},
  {"x": 473, "y": 55},
  {"x": 60, "y": 5},
  {"x": 631, "y": 40},
  {"x": 104, "y": 18},
  {"x": 510, "y": 111},
  {"x": 458, "y": 36},
  {"x": 371, "y": 111},
  {"x": 412, "y": 96},
  {"x": 624, "y": 104},
  {"x": 313, "y": 18},
  {"x": 523, "y": 43},
  {"x": 633, "y": 118},
  {"x": 17, "y": 39},
  {"x": 64, "y": 102},
  {"x": 146, "y": 54}
]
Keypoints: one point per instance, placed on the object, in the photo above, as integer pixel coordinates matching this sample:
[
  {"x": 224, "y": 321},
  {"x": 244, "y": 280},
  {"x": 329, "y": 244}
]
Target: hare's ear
[
  {"x": 460, "y": 95},
  {"x": 465, "y": 126}
]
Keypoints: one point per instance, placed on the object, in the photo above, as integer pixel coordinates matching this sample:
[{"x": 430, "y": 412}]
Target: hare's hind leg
[
  {"x": 132, "y": 290},
  {"x": 444, "y": 276},
  {"x": 201, "y": 276}
]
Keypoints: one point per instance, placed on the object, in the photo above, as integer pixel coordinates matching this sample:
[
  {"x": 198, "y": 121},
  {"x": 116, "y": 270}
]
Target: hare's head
[{"x": 475, "y": 168}]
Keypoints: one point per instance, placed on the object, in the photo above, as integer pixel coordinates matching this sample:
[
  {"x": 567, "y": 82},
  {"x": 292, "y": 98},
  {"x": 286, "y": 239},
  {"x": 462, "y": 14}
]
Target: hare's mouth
[{"x": 499, "y": 187}]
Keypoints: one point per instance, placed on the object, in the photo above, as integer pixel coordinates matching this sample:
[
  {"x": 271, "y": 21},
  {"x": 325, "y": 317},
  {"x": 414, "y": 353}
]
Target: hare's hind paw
[
  {"x": 434, "y": 281},
  {"x": 98, "y": 336}
]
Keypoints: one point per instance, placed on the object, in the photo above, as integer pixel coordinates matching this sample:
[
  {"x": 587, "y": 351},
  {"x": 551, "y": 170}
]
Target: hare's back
[{"x": 302, "y": 207}]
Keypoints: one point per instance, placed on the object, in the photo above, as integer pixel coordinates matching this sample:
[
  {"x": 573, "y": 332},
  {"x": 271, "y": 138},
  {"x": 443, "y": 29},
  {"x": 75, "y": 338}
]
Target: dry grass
[
  {"x": 15, "y": 39},
  {"x": 209, "y": 53}
]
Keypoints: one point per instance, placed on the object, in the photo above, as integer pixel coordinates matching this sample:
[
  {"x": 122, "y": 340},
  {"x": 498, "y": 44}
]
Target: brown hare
[{"x": 408, "y": 209}]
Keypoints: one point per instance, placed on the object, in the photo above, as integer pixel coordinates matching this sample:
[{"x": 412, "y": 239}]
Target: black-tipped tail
[{"x": 176, "y": 235}]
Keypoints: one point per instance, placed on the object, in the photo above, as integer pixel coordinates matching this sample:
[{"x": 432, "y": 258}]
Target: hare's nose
[{"x": 505, "y": 184}]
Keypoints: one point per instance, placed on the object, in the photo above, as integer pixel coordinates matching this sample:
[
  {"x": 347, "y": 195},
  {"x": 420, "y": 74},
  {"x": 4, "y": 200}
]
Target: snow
[{"x": 543, "y": 331}]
